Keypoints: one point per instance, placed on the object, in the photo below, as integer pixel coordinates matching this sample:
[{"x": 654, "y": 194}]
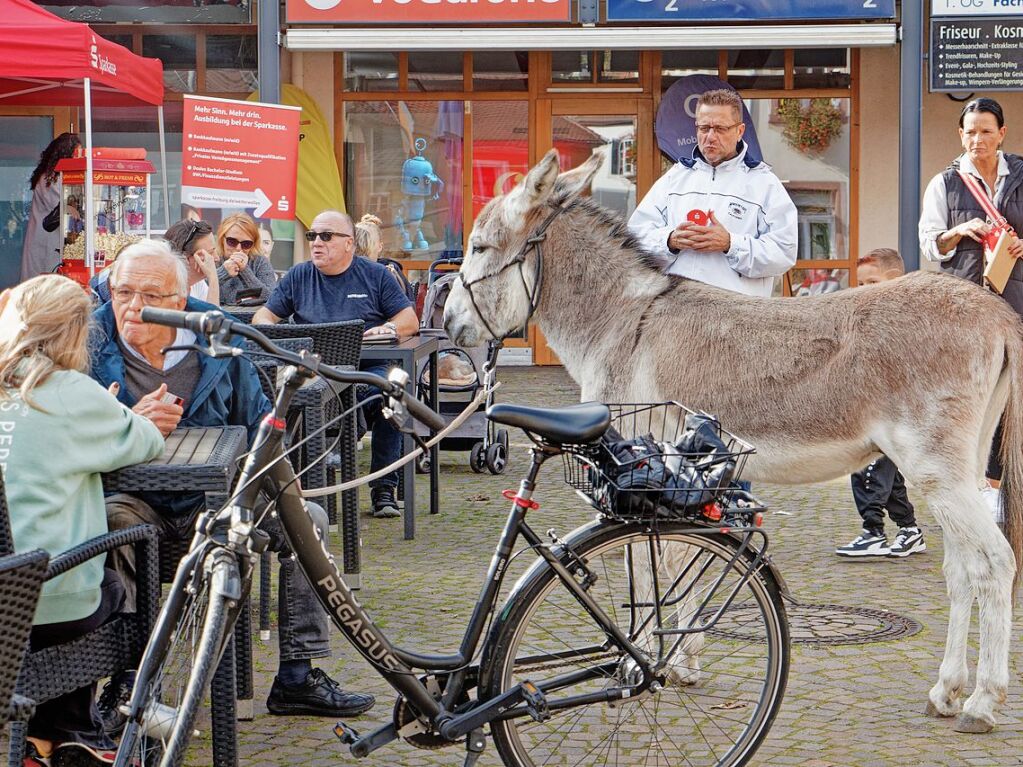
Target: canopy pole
[
  {"x": 163, "y": 169},
  {"x": 90, "y": 218}
]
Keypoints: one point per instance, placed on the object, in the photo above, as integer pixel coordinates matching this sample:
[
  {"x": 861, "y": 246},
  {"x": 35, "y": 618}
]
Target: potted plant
[{"x": 810, "y": 128}]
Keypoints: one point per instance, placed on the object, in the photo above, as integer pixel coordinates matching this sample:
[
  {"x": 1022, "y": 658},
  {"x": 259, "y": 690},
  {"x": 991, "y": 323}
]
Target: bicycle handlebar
[{"x": 211, "y": 323}]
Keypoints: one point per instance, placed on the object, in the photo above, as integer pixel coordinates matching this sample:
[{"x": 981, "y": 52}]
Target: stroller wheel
[
  {"x": 502, "y": 437},
  {"x": 477, "y": 458},
  {"x": 497, "y": 458}
]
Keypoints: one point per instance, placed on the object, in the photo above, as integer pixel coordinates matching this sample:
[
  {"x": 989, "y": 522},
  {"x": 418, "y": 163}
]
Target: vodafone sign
[{"x": 426, "y": 11}]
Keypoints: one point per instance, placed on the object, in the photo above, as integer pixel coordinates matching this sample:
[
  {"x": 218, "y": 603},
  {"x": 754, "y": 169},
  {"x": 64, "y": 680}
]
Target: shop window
[
  {"x": 500, "y": 71},
  {"x": 125, "y": 40},
  {"x": 618, "y": 66},
  {"x": 231, "y": 64},
  {"x": 500, "y": 149},
  {"x": 821, "y": 68},
  {"x": 815, "y": 282},
  {"x": 623, "y": 157},
  {"x": 753, "y": 68},
  {"x": 571, "y": 67},
  {"x": 676, "y": 64},
  {"x": 435, "y": 71},
  {"x": 371, "y": 71},
  {"x": 153, "y": 11},
  {"x": 595, "y": 67},
  {"x": 177, "y": 52},
  {"x": 421, "y": 213}
]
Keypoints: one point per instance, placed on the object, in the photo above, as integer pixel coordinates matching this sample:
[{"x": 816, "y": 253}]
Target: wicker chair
[
  {"x": 337, "y": 343},
  {"x": 115, "y": 646},
  {"x": 21, "y": 579}
]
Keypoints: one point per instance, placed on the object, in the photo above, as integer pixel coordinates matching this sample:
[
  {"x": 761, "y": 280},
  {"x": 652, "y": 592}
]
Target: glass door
[
  {"x": 621, "y": 131},
  {"x": 25, "y": 137}
]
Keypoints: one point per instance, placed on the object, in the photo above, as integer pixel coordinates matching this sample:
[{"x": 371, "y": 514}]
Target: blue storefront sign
[{"x": 748, "y": 10}]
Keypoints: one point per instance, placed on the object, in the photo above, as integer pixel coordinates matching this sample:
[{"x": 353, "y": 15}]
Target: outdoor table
[
  {"x": 407, "y": 352},
  {"x": 204, "y": 459},
  {"x": 242, "y": 312}
]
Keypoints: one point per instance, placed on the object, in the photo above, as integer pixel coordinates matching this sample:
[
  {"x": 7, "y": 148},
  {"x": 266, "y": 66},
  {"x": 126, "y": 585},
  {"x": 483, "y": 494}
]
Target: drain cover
[{"x": 822, "y": 624}]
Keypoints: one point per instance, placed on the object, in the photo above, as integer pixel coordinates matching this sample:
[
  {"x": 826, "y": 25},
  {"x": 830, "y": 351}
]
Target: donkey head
[{"x": 499, "y": 273}]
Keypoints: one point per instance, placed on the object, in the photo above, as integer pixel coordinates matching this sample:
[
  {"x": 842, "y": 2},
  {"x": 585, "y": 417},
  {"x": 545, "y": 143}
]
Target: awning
[{"x": 590, "y": 38}]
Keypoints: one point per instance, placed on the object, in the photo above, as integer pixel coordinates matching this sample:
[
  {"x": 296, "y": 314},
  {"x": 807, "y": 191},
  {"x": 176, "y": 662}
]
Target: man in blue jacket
[{"x": 184, "y": 388}]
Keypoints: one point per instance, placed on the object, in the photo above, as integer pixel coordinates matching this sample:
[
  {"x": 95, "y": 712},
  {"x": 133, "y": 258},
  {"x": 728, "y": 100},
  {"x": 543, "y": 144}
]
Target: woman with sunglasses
[
  {"x": 194, "y": 240},
  {"x": 244, "y": 266}
]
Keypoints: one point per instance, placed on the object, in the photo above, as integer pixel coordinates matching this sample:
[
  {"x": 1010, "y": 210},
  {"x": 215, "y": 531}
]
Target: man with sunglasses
[
  {"x": 335, "y": 286},
  {"x": 721, "y": 217}
]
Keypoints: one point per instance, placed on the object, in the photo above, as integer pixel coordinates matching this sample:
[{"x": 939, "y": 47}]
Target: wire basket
[{"x": 664, "y": 461}]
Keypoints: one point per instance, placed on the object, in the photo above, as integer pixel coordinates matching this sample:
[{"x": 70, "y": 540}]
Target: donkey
[{"x": 921, "y": 368}]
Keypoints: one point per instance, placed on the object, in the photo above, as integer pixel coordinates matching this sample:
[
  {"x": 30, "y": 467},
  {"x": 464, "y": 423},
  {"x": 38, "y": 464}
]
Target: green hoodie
[{"x": 51, "y": 459}]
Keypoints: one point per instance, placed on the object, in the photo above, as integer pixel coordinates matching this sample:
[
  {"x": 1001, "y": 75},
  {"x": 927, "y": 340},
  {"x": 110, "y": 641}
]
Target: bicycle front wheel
[
  {"x": 188, "y": 638},
  {"x": 713, "y": 627}
]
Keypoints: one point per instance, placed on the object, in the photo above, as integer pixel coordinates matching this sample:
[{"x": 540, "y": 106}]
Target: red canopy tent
[{"x": 49, "y": 61}]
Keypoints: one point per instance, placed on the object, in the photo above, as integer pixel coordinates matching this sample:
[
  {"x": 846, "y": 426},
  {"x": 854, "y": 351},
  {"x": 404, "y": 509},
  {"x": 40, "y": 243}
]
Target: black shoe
[
  {"x": 115, "y": 694},
  {"x": 384, "y": 505},
  {"x": 318, "y": 695}
]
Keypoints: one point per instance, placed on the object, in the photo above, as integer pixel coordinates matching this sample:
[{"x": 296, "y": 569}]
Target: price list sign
[{"x": 976, "y": 54}]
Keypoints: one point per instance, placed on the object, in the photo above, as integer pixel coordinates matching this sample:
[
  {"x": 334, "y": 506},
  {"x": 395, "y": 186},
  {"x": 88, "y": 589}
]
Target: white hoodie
[{"x": 746, "y": 198}]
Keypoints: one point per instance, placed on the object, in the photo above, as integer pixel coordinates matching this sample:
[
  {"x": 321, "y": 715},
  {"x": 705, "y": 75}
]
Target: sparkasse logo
[{"x": 102, "y": 63}]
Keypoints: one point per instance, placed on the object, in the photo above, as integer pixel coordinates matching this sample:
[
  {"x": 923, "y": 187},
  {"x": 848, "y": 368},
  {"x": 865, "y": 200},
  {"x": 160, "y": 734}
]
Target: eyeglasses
[
  {"x": 126, "y": 295},
  {"x": 703, "y": 130},
  {"x": 233, "y": 242},
  {"x": 325, "y": 236},
  {"x": 191, "y": 236}
]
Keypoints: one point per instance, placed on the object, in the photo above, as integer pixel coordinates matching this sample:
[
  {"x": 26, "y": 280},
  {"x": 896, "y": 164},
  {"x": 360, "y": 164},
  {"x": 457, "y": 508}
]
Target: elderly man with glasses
[
  {"x": 720, "y": 217},
  {"x": 335, "y": 286},
  {"x": 185, "y": 388}
]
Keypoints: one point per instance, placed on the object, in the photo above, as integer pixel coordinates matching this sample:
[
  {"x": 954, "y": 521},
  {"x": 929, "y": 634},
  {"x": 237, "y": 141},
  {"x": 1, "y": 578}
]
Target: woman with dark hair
[
  {"x": 41, "y": 252},
  {"x": 194, "y": 240},
  {"x": 953, "y": 223}
]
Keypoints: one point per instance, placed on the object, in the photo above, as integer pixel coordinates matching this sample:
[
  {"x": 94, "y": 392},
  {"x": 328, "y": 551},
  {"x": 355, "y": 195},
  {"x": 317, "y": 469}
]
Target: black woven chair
[
  {"x": 115, "y": 646},
  {"x": 243, "y": 313},
  {"x": 337, "y": 343},
  {"x": 21, "y": 579}
]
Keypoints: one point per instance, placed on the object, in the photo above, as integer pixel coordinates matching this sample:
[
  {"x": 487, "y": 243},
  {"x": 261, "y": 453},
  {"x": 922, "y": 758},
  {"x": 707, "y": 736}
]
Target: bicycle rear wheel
[
  {"x": 188, "y": 645},
  {"x": 722, "y": 684}
]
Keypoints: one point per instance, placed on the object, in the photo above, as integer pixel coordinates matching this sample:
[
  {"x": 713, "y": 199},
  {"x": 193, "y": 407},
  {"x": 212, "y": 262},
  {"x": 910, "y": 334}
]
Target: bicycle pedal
[
  {"x": 536, "y": 701},
  {"x": 346, "y": 734}
]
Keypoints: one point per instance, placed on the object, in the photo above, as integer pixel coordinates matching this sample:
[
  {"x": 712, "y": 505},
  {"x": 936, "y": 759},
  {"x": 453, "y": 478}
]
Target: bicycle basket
[{"x": 664, "y": 461}]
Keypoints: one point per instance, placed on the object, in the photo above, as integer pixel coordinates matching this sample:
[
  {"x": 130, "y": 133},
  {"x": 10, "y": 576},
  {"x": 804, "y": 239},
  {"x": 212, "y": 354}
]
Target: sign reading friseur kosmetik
[
  {"x": 426, "y": 11},
  {"x": 977, "y": 54}
]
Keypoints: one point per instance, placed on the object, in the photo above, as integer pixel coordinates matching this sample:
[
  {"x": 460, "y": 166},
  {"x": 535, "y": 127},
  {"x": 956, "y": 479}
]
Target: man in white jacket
[{"x": 721, "y": 217}]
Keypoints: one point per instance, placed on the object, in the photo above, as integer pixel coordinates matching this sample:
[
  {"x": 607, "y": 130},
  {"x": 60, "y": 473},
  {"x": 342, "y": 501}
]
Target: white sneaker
[
  {"x": 909, "y": 540},
  {"x": 993, "y": 497},
  {"x": 866, "y": 544}
]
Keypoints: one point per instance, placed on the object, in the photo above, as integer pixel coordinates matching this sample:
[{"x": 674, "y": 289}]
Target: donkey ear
[
  {"x": 574, "y": 182},
  {"x": 535, "y": 188}
]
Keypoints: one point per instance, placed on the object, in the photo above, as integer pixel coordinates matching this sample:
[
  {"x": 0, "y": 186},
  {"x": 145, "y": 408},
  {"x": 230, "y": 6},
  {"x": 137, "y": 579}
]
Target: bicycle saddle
[{"x": 575, "y": 424}]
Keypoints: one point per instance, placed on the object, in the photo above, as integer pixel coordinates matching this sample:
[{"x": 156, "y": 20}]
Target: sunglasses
[
  {"x": 325, "y": 236},
  {"x": 233, "y": 242}
]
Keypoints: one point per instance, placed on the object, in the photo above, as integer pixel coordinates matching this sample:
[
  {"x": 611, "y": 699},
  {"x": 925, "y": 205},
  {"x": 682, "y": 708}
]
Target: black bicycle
[{"x": 654, "y": 635}]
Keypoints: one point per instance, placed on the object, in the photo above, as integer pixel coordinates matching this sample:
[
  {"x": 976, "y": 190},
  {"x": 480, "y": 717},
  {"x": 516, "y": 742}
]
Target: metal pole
[
  {"x": 90, "y": 214},
  {"x": 910, "y": 110},
  {"x": 163, "y": 173},
  {"x": 268, "y": 40}
]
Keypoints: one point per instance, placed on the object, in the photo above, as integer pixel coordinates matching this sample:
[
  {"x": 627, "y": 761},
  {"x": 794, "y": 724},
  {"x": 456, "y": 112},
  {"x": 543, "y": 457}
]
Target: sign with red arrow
[{"x": 240, "y": 154}]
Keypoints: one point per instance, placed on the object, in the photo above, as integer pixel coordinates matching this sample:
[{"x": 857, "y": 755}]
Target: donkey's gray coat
[{"x": 920, "y": 368}]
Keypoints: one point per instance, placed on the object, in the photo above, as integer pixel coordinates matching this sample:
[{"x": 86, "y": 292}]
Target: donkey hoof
[
  {"x": 952, "y": 708},
  {"x": 933, "y": 711},
  {"x": 972, "y": 724}
]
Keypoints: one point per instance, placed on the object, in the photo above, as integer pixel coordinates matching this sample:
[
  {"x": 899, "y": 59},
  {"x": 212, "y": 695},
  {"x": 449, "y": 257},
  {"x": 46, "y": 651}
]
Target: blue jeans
[
  {"x": 387, "y": 440},
  {"x": 302, "y": 626}
]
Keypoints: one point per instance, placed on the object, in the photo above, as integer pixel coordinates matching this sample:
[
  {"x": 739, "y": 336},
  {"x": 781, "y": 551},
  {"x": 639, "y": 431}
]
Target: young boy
[{"x": 880, "y": 485}]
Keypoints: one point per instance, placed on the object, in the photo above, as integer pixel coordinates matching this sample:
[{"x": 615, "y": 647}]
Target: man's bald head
[{"x": 334, "y": 256}]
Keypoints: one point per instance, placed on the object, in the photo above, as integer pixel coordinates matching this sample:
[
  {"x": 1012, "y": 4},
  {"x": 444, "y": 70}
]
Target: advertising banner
[
  {"x": 749, "y": 10},
  {"x": 240, "y": 154},
  {"x": 976, "y": 55},
  {"x": 976, "y": 8},
  {"x": 427, "y": 11},
  {"x": 675, "y": 126}
]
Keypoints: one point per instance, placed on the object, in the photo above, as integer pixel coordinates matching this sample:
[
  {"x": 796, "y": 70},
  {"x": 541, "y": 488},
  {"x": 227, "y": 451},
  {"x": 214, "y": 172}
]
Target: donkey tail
[{"x": 1012, "y": 450}]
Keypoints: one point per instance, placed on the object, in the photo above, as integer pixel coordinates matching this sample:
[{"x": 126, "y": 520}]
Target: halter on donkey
[{"x": 921, "y": 368}]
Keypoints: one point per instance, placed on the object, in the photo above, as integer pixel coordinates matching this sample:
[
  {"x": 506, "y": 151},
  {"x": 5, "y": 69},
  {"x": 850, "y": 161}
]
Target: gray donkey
[{"x": 920, "y": 368}]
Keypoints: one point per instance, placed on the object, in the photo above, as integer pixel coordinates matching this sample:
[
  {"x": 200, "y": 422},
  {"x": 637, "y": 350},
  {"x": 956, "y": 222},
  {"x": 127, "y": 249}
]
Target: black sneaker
[
  {"x": 318, "y": 695},
  {"x": 866, "y": 544},
  {"x": 384, "y": 505},
  {"x": 909, "y": 540},
  {"x": 115, "y": 694}
]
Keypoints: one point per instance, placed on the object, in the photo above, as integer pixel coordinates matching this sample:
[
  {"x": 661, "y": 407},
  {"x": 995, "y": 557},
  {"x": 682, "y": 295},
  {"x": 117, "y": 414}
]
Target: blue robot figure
[{"x": 418, "y": 182}]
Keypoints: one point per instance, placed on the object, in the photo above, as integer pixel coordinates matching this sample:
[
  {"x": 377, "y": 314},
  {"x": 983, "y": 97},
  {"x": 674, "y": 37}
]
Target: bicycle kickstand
[{"x": 474, "y": 746}]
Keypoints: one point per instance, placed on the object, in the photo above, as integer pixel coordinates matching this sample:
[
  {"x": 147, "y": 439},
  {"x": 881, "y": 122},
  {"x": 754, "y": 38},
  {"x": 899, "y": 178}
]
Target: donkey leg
[{"x": 943, "y": 698}]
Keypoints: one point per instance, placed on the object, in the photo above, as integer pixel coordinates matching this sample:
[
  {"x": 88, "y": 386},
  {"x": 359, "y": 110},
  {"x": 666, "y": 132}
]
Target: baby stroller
[{"x": 461, "y": 373}]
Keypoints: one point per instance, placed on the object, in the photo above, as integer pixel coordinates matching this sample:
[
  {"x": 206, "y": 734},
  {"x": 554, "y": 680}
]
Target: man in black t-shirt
[{"x": 335, "y": 286}]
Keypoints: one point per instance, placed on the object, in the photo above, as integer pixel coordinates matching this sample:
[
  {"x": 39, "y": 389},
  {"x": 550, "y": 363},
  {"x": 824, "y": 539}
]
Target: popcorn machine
[{"x": 120, "y": 208}]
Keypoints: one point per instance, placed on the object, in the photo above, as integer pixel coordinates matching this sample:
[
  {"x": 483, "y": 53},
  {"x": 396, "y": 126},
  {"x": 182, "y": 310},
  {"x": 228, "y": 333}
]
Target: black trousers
[
  {"x": 881, "y": 486},
  {"x": 73, "y": 717}
]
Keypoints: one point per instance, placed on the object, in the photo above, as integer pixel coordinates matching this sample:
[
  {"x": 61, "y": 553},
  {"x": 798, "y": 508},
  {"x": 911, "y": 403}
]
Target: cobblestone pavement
[{"x": 847, "y": 704}]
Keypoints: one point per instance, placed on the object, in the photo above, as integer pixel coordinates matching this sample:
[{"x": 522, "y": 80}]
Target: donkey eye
[{"x": 479, "y": 249}]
